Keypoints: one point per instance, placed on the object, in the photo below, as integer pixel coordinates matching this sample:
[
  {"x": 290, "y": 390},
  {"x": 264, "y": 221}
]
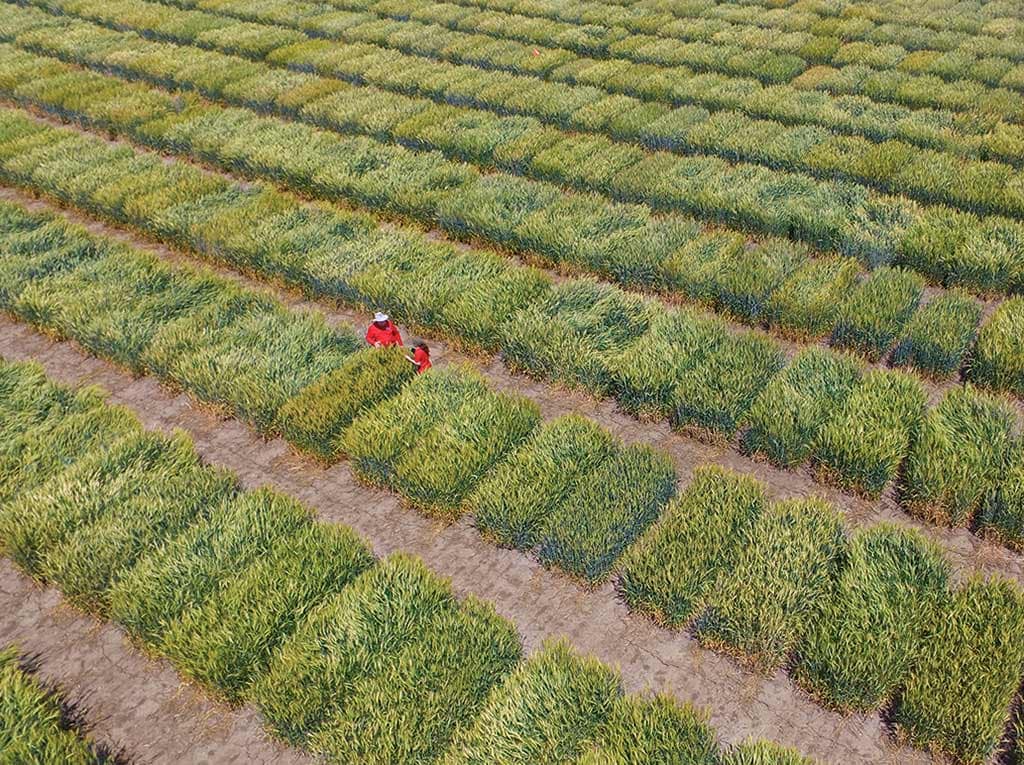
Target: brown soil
[{"x": 126, "y": 701}]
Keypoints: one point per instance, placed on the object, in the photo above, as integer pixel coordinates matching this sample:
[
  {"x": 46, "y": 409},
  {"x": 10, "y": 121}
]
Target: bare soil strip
[{"x": 126, "y": 701}]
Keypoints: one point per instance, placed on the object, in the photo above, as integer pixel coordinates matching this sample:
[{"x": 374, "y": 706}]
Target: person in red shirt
[
  {"x": 382, "y": 332},
  {"x": 420, "y": 357}
]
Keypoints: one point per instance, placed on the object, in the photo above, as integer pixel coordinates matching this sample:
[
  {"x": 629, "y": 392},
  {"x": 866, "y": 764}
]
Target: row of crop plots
[
  {"x": 482, "y": 99},
  {"x": 774, "y": 284},
  {"x": 655, "y": 361},
  {"x": 836, "y": 213},
  {"x": 730, "y": 47},
  {"x": 647, "y": 85},
  {"x": 463, "y": 35},
  {"x": 916, "y": 26},
  {"x": 820, "y": 97},
  {"x": 867, "y": 618},
  {"x": 817, "y": 34}
]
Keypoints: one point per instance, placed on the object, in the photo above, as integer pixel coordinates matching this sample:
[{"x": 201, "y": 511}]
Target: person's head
[
  {"x": 380, "y": 319},
  {"x": 422, "y": 346}
]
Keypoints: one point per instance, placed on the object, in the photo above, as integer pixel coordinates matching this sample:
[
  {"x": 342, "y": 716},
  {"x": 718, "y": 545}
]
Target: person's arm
[{"x": 413, "y": 361}]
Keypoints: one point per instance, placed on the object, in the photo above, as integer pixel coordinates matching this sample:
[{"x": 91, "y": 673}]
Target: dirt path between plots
[
  {"x": 541, "y": 603},
  {"x": 967, "y": 552},
  {"x": 127, "y": 702}
]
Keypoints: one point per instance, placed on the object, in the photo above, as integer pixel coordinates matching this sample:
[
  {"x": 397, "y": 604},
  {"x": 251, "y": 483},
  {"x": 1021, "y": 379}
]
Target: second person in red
[
  {"x": 420, "y": 357},
  {"x": 382, "y": 332}
]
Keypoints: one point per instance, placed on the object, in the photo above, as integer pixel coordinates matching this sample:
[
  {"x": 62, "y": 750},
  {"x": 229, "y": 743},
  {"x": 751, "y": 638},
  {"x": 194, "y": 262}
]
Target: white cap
[{"x": 380, "y": 316}]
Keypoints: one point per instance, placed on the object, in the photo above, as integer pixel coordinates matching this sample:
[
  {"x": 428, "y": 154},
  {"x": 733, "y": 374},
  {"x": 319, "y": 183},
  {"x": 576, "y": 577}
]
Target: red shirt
[
  {"x": 387, "y": 336},
  {"x": 422, "y": 359}
]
